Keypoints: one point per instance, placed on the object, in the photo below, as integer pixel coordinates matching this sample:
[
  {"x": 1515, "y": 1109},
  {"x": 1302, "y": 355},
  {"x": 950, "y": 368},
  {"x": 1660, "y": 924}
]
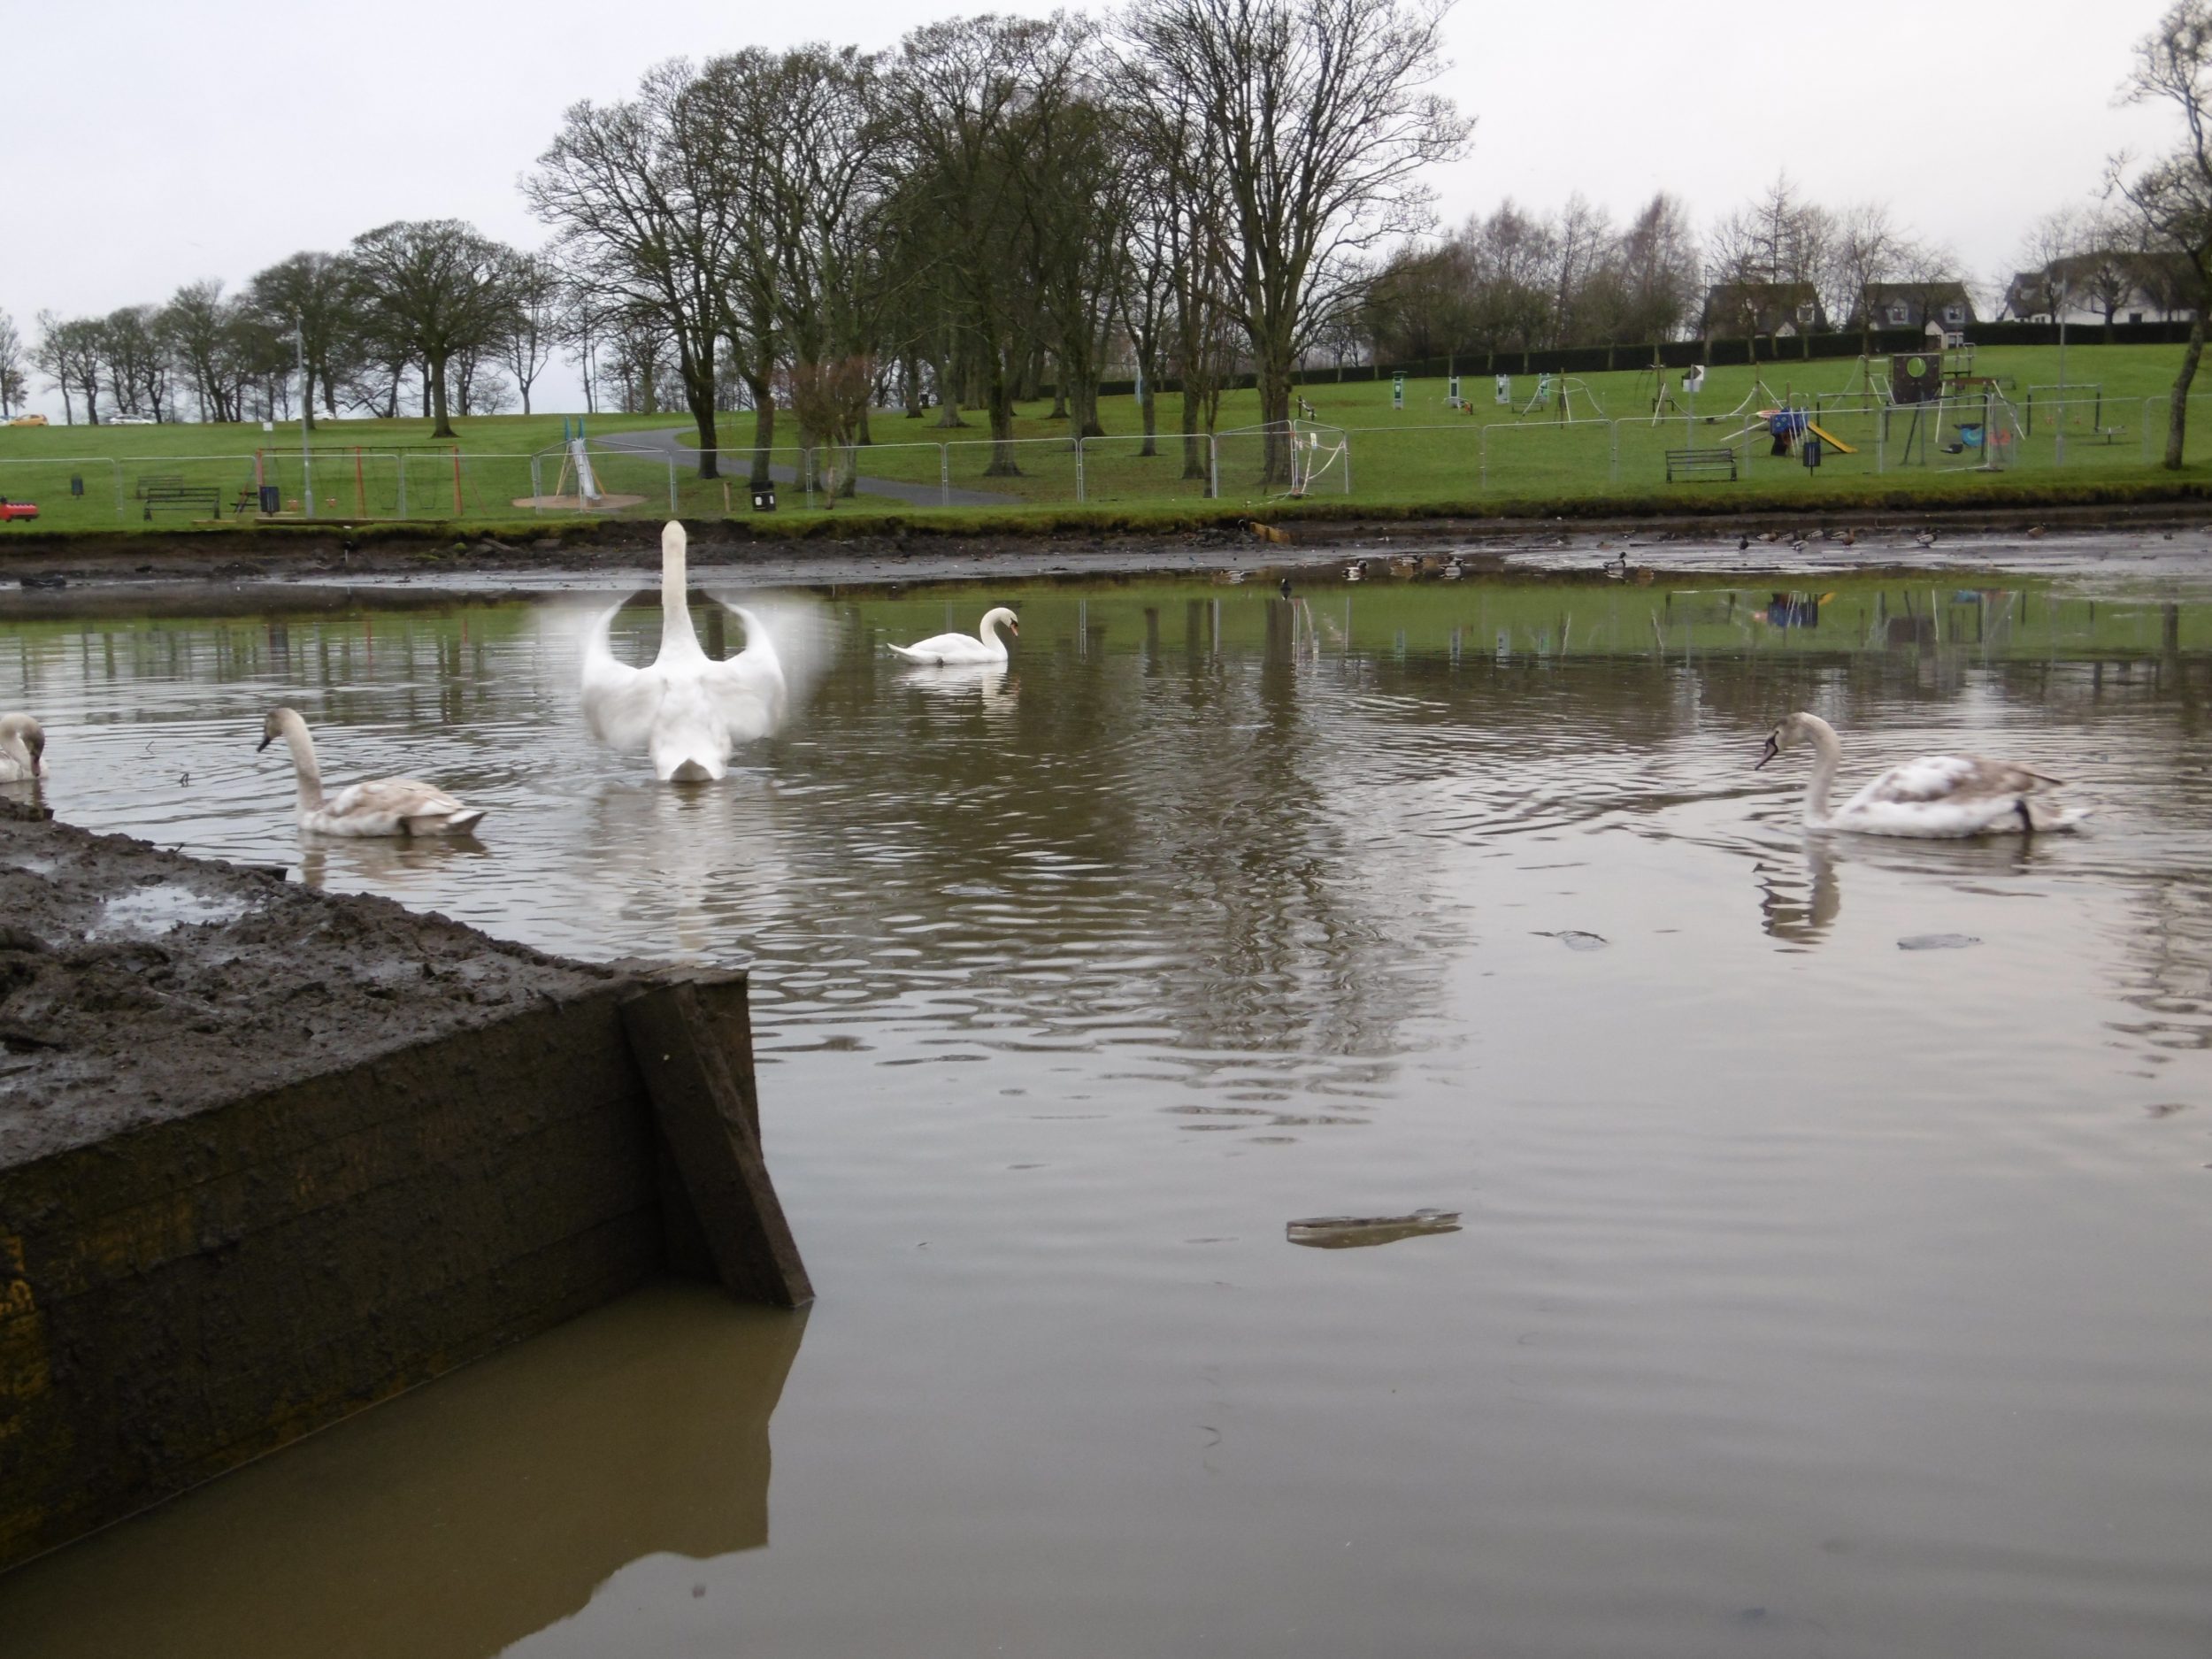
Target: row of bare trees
[
  {"x": 998, "y": 203},
  {"x": 430, "y": 304}
]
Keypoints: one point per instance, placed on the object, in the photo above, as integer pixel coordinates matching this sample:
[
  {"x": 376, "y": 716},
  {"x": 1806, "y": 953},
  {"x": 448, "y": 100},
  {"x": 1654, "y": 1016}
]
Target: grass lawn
[{"x": 1423, "y": 456}]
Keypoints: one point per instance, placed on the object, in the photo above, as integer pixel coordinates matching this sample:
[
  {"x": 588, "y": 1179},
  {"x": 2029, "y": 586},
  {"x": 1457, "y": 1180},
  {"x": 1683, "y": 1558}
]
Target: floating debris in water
[
  {"x": 1349, "y": 1232},
  {"x": 1938, "y": 941},
  {"x": 1575, "y": 941},
  {"x": 2167, "y": 1109}
]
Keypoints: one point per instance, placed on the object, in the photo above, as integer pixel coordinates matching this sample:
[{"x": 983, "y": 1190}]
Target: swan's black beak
[
  {"x": 267, "y": 738},
  {"x": 1769, "y": 753}
]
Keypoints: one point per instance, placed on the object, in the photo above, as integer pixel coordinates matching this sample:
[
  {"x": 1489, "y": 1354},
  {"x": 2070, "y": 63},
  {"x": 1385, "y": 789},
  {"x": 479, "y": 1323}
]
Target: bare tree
[
  {"x": 807, "y": 278},
  {"x": 1180, "y": 229},
  {"x": 310, "y": 298},
  {"x": 1868, "y": 247},
  {"x": 2048, "y": 256},
  {"x": 830, "y": 400},
  {"x": 962, "y": 103},
  {"x": 534, "y": 321},
  {"x": 199, "y": 330},
  {"x": 14, "y": 382},
  {"x": 2173, "y": 196},
  {"x": 137, "y": 366},
  {"x": 1768, "y": 251},
  {"x": 645, "y": 198},
  {"x": 431, "y": 288},
  {"x": 68, "y": 354},
  {"x": 1324, "y": 120}
]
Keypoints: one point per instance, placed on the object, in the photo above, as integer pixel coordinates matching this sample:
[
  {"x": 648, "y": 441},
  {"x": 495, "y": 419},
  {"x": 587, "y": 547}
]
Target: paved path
[{"x": 660, "y": 445}]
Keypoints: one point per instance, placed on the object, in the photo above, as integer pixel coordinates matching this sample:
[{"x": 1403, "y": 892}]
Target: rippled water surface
[{"x": 1808, "y": 1294}]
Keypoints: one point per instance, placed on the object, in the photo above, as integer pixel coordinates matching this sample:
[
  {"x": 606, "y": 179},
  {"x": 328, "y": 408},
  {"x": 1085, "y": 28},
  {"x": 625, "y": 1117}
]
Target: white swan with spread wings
[{"x": 687, "y": 711}]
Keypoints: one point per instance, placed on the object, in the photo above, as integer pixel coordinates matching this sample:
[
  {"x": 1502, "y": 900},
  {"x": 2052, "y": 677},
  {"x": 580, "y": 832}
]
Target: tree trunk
[
  {"x": 694, "y": 366},
  {"x": 948, "y": 396},
  {"x": 1194, "y": 452},
  {"x": 1002, "y": 404},
  {"x": 1149, "y": 405},
  {"x": 2178, "y": 422},
  {"x": 911, "y": 385},
  {"x": 1273, "y": 378},
  {"x": 434, "y": 371},
  {"x": 764, "y": 429}
]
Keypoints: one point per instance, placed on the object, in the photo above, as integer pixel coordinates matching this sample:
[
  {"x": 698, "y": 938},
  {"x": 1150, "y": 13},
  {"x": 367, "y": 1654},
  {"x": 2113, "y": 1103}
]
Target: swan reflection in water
[
  {"x": 985, "y": 687},
  {"x": 394, "y": 868},
  {"x": 698, "y": 872},
  {"x": 1801, "y": 907}
]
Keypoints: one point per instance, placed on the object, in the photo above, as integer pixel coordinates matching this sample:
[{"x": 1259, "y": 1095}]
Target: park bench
[
  {"x": 208, "y": 498},
  {"x": 1700, "y": 464},
  {"x": 158, "y": 480}
]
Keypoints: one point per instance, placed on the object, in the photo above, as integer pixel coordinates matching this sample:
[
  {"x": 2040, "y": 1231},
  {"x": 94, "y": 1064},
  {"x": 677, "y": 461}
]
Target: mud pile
[{"x": 138, "y": 986}]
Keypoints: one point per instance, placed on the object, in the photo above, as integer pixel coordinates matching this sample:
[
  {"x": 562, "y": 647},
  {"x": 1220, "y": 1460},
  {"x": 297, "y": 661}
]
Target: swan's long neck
[
  {"x": 311, "y": 775},
  {"x": 988, "y": 631},
  {"x": 1828, "y": 754},
  {"x": 675, "y": 613}
]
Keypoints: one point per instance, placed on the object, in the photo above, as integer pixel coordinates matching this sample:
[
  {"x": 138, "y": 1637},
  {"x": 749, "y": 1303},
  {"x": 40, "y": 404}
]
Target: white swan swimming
[
  {"x": 687, "y": 711},
  {"x": 22, "y": 748},
  {"x": 382, "y": 806},
  {"x": 1936, "y": 796},
  {"x": 983, "y": 646}
]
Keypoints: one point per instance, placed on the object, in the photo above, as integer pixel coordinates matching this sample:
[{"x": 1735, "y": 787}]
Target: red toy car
[{"x": 18, "y": 509}]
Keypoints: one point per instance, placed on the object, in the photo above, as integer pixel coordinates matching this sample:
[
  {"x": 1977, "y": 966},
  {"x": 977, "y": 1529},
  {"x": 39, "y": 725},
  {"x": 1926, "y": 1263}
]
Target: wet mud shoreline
[{"x": 220, "y": 574}]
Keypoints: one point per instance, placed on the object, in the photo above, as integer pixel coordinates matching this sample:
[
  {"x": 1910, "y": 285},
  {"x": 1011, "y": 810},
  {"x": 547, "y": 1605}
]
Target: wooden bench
[
  {"x": 158, "y": 480},
  {"x": 207, "y": 498},
  {"x": 1700, "y": 464}
]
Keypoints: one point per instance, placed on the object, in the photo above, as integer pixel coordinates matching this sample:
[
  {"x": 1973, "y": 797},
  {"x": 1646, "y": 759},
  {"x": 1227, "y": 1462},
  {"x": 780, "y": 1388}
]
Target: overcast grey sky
[{"x": 149, "y": 144}]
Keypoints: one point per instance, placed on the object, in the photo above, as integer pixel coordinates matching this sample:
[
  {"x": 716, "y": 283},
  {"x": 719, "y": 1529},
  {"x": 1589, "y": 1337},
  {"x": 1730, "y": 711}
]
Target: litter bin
[
  {"x": 269, "y": 498},
  {"x": 76, "y": 485},
  {"x": 764, "y": 498}
]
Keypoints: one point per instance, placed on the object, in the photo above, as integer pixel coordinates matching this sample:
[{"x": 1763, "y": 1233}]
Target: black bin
[
  {"x": 76, "y": 485},
  {"x": 764, "y": 498},
  {"x": 269, "y": 498}
]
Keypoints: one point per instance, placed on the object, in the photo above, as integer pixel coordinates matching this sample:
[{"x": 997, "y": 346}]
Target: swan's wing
[
  {"x": 619, "y": 701},
  {"x": 787, "y": 646},
  {"x": 384, "y": 805},
  {"x": 1959, "y": 777}
]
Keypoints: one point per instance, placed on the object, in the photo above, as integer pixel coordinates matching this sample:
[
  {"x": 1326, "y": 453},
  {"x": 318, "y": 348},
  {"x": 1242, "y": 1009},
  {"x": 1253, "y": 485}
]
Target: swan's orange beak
[
  {"x": 1014, "y": 628},
  {"x": 1769, "y": 753}
]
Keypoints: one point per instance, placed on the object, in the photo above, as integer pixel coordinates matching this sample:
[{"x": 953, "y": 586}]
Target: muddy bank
[
  {"x": 877, "y": 552},
  {"x": 137, "y": 986},
  {"x": 268, "y": 1157}
]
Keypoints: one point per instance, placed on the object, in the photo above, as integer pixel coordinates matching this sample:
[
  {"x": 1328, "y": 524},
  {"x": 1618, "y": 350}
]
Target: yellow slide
[{"x": 1830, "y": 440}]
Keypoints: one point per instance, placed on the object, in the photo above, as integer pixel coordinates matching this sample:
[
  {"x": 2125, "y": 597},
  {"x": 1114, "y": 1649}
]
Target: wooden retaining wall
[{"x": 186, "y": 1295}]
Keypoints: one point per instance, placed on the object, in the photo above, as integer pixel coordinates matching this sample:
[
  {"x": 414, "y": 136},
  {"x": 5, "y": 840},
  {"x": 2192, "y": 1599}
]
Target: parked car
[
  {"x": 18, "y": 509},
  {"x": 131, "y": 420},
  {"x": 28, "y": 421}
]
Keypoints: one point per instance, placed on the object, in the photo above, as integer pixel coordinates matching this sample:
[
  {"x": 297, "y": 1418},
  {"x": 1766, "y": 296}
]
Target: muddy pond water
[{"x": 1833, "y": 1267}]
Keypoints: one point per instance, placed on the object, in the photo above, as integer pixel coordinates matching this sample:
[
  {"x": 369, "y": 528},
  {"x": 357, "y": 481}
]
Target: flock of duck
[{"x": 689, "y": 713}]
